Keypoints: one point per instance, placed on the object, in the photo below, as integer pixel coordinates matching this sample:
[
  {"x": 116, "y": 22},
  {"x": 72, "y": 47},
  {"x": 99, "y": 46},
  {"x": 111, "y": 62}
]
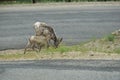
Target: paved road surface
[
  {"x": 60, "y": 70},
  {"x": 74, "y": 24}
]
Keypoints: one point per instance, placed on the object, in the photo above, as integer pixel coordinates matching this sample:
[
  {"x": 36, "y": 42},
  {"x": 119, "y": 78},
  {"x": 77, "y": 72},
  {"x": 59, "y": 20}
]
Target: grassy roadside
[
  {"x": 63, "y": 52},
  {"x": 105, "y": 48}
]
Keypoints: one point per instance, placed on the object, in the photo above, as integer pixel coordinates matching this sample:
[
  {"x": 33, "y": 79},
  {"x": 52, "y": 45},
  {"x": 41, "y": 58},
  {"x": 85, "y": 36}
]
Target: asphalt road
[
  {"x": 60, "y": 70},
  {"x": 74, "y": 23}
]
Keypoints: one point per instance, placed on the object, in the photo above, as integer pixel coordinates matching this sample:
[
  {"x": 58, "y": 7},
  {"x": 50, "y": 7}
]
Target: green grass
[
  {"x": 110, "y": 37},
  {"x": 64, "y": 49},
  {"x": 117, "y": 50},
  {"x": 20, "y": 56},
  {"x": 61, "y": 49},
  {"x": 51, "y": 52},
  {"x": 10, "y": 56}
]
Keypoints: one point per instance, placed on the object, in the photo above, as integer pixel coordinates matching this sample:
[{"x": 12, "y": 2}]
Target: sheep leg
[
  {"x": 47, "y": 45},
  {"x": 33, "y": 46},
  {"x": 28, "y": 45},
  {"x": 40, "y": 46}
]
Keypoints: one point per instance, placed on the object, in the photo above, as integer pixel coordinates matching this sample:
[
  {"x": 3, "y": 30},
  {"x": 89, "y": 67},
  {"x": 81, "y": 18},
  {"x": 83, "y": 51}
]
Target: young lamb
[{"x": 38, "y": 41}]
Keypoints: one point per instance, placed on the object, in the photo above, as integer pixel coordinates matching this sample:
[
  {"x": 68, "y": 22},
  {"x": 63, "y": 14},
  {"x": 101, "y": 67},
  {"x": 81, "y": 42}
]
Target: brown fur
[{"x": 38, "y": 41}]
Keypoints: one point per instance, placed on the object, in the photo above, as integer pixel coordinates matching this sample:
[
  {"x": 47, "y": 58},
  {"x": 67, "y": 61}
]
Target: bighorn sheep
[
  {"x": 41, "y": 41},
  {"x": 44, "y": 34},
  {"x": 42, "y": 28},
  {"x": 38, "y": 41}
]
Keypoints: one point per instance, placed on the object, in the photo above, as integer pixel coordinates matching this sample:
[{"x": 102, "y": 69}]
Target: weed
[{"x": 110, "y": 37}]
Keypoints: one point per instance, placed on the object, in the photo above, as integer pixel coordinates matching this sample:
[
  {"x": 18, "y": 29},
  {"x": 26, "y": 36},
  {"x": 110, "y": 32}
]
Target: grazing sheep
[
  {"x": 42, "y": 28},
  {"x": 38, "y": 41}
]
